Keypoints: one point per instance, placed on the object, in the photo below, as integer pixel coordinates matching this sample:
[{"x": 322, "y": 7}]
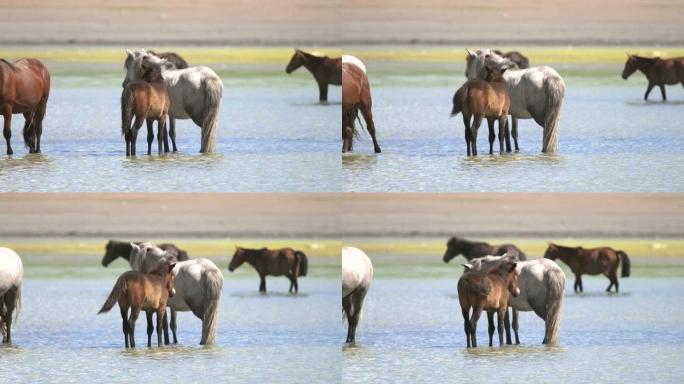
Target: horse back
[{"x": 25, "y": 81}]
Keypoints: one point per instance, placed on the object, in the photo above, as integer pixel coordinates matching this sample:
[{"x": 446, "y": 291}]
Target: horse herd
[
  {"x": 161, "y": 276},
  {"x": 494, "y": 279}
]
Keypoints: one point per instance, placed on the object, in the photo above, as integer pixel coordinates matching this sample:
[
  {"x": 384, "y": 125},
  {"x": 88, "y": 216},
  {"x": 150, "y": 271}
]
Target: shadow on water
[
  {"x": 586, "y": 295},
  {"x": 255, "y": 294},
  {"x": 172, "y": 352},
  {"x": 647, "y": 103},
  {"x": 317, "y": 104},
  {"x": 488, "y": 160},
  {"x": 25, "y": 162},
  {"x": 359, "y": 160},
  {"x": 173, "y": 159},
  {"x": 516, "y": 351}
]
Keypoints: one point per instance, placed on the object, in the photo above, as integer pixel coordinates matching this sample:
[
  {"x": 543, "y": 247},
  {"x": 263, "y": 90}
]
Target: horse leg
[
  {"x": 124, "y": 321},
  {"x": 150, "y": 135},
  {"x": 166, "y": 138},
  {"x": 473, "y": 133},
  {"x": 502, "y": 135},
  {"x": 291, "y": 283},
  {"x": 150, "y": 328},
  {"x": 7, "y": 129},
  {"x": 347, "y": 308},
  {"x": 262, "y": 284},
  {"x": 490, "y": 323},
  {"x": 38, "y": 127},
  {"x": 365, "y": 108},
  {"x": 514, "y": 131},
  {"x": 648, "y": 90},
  {"x": 357, "y": 303},
  {"x": 468, "y": 133},
  {"x": 172, "y": 133},
  {"x": 473, "y": 324},
  {"x": 10, "y": 303},
  {"x": 161, "y": 315},
  {"x": 579, "y": 278},
  {"x": 507, "y": 135},
  {"x": 507, "y": 328},
  {"x": 135, "y": 311},
  {"x": 466, "y": 324},
  {"x": 165, "y": 328},
  {"x": 134, "y": 133},
  {"x": 515, "y": 325},
  {"x": 173, "y": 325},
  {"x": 161, "y": 134},
  {"x": 296, "y": 283},
  {"x": 323, "y": 92},
  {"x": 492, "y": 135},
  {"x": 662, "y": 91}
]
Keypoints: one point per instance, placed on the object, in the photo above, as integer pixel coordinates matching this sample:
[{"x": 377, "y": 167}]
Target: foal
[
  {"x": 148, "y": 101},
  {"x": 487, "y": 291},
  {"x": 142, "y": 291},
  {"x": 484, "y": 99}
]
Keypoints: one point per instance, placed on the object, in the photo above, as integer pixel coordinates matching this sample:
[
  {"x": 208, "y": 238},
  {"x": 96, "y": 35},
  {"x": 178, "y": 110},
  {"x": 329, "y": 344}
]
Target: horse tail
[
  {"x": 17, "y": 303},
  {"x": 213, "y": 92},
  {"x": 459, "y": 100},
  {"x": 212, "y": 280},
  {"x": 29, "y": 131},
  {"x": 303, "y": 263},
  {"x": 118, "y": 290},
  {"x": 555, "y": 91},
  {"x": 626, "y": 264},
  {"x": 127, "y": 101},
  {"x": 555, "y": 287}
]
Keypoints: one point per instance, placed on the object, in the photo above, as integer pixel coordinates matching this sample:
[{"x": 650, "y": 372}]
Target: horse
[
  {"x": 142, "y": 291},
  {"x": 324, "y": 69},
  {"x": 146, "y": 100},
  {"x": 592, "y": 261},
  {"x": 199, "y": 284},
  {"x": 276, "y": 262},
  {"x": 195, "y": 93},
  {"x": 24, "y": 88},
  {"x": 484, "y": 99},
  {"x": 11, "y": 276},
  {"x": 518, "y": 58},
  {"x": 535, "y": 93},
  {"x": 142, "y": 260},
  {"x": 357, "y": 275},
  {"x": 658, "y": 71},
  {"x": 356, "y": 96},
  {"x": 489, "y": 291},
  {"x": 542, "y": 285},
  {"x": 472, "y": 249}
]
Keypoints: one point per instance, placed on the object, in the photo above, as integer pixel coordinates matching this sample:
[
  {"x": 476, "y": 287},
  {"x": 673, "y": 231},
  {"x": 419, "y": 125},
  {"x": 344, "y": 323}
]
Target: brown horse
[
  {"x": 24, "y": 88},
  {"x": 658, "y": 71},
  {"x": 277, "y": 262},
  {"x": 487, "y": 291},
  {"x": 472, "y": 249},
  {"x": 356, "y": 96},
  {"x": 148, "y": 101},
  {"x": 484, "y": 99},
  {"x": 592, "y": 261},
  {"x": 324, "y": 69},
  {"x": 518, "y": 58},
  {"x": 142, "y": 291}
]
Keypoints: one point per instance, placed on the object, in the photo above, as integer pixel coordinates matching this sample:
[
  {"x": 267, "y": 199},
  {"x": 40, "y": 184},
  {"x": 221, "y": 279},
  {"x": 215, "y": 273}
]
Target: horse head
[
  {"x": 508, "y": 270},
  {"x": 551, "y": 251},
  {"x": 476, "y": 63},
  {"x": 111, "y": 253},
  {"x": 453, "y": 249},
  {"x": 170, "y": 279},
  {"x": 237, "y": 260},
  {"x": 295, "y": 62},
  {"x": 630, "y": 66}
]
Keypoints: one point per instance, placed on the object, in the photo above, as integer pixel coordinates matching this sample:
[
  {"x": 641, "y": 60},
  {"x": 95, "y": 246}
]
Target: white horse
[
  {"x": 542, "y": 286},
  {"x": 11, "y": 275},
  {"x": 357, "y": 274},
  {"x": 195, "y": 92},
  {"x": 535, "y": 93}
]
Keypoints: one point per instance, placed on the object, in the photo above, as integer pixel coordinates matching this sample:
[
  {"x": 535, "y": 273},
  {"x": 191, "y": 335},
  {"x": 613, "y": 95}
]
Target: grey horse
[{"x": 357, "y": 274}]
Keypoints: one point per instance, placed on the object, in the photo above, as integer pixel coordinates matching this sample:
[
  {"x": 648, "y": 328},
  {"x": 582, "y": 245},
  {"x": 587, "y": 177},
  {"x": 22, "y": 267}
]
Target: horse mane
[
  {"x": 9, "y": 64},
  {"x": 312, "y": 56},
  {"x": 153, "y": 74}
]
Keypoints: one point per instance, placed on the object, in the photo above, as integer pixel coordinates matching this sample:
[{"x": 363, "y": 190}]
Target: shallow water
[
  {"x": 59, "y": 337},
  {"x": 609, "y": 140},
  {"x": 412, "y": 331},
  {"x": 272, "y": 136}
]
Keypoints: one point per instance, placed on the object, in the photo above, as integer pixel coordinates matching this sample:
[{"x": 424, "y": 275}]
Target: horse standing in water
[
  {"x": 535, "y": 93},
  {"x": 355, "y": 96},
  {"x": 542, "y": 286},
  {"x": 195, "y": 93},
  {"x": 357, "y": 275},
  {"x": 142, "y": 291},
  {"x": 472, "y": 249},
  {"x": 324, "y": 69},
  {"x": 24, "y": 88},
  {"x": 11, "y": 277},
  {"x": 658, "y": 71},
  {"x": 277, "y": 262},
  {"x": 592, "y": 261},
  {"x": 489, "y": 291}
]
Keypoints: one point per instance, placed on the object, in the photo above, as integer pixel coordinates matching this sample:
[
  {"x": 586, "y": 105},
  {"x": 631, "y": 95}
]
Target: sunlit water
[
  {"x": 609, "y": 140},
  {"x": 271, "y": 137},
  {"x": 412, "y": 332}
]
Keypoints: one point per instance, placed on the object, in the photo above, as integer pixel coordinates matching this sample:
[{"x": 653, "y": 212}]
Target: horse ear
[
  {"x": 171, "y": 266},
  {"x": 467, "y": 267},
  {"x": 513, "y": 266},
  {"x": 128, "y": 52},
  {"x": 470, "y": 53},
  {"x": 135, "y": 247}
]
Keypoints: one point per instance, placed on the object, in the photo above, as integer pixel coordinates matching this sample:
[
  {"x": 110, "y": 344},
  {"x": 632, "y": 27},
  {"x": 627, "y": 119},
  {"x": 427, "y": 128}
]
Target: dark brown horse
[
  {"x": 146, "y": 100},
  {"x": 480, "y": 99},
  {"x": 142, "y": 291},
  {"x": 324, "y": 69},
  {"x": 356, "y": 96},
  {"x": 115, "y": 249},
  {"x": 24, "y": 88},
  {"x": 472, "y": 249},
  {"x": 658, "y": 71},
  {"x": 487, "y": 291},
  {"x": 592, "y": 261},
  {"x": 276, "y": 262},
  {"x": 518, "y": 58}
]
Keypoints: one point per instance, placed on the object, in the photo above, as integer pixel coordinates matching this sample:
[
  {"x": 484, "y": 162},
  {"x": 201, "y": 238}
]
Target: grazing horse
[
  {"x": 542, "y": 285},
  {"x": 24, "y": 88},
  {"x": 484, "y": 99},
  {"x": 142, "y": 291},
  {"x": 472, "y": 249},
  {"x": 658, "y": 71},
  {"x": 195, "y": 93},
  {"x": 535, "y": 93},
  {"x": 487, "y": 291},
  {"x": 356, "y": 96},
  {"x": 276, "y": 262},
  {"x": 518, "y": 58},
  {"x": 11, "y": 276},
  {"x": 146, "y": 100},
  {"x": 357, "y": 274},
  {"x": 592, "y": 261},
  {"x": 324, "y": 69},
  {"x": 142, "y": 259},
  {"x": 177, "y": 63}
]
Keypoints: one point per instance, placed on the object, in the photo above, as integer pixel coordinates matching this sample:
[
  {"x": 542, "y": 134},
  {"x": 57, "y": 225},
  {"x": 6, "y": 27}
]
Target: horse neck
[
  {"x": 122, "y": 249},
  {"x": 252, "y": 255},
  {"x": 566, "y": 254},
  {"x": 311, "y": 62},
  {"x": 644, "y": 63}
]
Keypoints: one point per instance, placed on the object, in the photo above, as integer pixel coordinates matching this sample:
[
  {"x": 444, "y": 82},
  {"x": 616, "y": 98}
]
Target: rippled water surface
[{"x": 609, "y": 140}]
